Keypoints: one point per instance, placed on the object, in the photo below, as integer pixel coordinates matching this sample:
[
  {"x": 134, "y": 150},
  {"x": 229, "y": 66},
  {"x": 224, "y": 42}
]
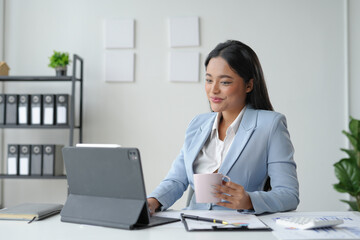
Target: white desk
[{"x": 52, "y": 228}]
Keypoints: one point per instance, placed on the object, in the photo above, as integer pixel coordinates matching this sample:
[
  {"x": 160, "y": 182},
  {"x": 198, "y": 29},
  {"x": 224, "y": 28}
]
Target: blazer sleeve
[
  {"x": 284, "y": 193},
  {"x": 174, "y": 184}
]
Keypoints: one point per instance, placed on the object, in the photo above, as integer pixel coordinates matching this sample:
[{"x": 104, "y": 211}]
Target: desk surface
[{"x": 53, "y": 228}]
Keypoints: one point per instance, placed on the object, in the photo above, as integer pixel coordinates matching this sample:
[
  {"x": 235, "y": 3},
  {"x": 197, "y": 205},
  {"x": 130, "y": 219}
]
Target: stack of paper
[{"x": 233, "y": 218}]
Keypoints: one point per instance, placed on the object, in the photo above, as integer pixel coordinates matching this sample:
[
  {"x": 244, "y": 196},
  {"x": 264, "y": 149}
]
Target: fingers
[
  {"x": 234, "y": 194},
  {"x": 151, "y": 211},
  {"x": 153, "y": 204},
  {"x": 226, "y": 204},
  {"x": 230, "y": 188},
  {"x": 233, "y": 185}
]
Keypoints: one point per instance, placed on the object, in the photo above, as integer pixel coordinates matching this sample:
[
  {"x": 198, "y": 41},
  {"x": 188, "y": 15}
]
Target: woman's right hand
[{"x": 153, "y": 205}]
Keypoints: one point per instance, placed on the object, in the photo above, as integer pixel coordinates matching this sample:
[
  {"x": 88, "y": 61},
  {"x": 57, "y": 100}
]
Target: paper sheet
[
  {"x": 232, "y": 217},
  {"x": 229, "y": 216},
  {"x": 350, "y": 229}
]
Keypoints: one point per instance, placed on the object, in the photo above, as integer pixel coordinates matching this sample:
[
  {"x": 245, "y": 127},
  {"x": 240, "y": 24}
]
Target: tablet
[{"x": 106, "y": 188}]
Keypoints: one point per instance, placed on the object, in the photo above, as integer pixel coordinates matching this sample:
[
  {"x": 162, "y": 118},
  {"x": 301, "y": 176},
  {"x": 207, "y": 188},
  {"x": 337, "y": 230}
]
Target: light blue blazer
[{"x": 261, "y": 148}]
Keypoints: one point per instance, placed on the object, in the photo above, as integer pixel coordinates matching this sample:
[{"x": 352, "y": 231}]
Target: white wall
[
  {"x": 354, "y": 58},
  {"x": 2, "y": 18},
  {"x": 300, "y": 45}
]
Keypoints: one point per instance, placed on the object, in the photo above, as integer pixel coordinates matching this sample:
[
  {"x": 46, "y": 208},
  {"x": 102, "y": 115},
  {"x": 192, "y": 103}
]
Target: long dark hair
[{"x": 244, "y": 61}]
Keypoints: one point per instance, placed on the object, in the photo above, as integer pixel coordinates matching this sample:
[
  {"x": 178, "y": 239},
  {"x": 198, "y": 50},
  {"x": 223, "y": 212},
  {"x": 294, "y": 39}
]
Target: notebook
[
  {"x": 30, "y": 211},
  {"x": 106, "y": 188}
]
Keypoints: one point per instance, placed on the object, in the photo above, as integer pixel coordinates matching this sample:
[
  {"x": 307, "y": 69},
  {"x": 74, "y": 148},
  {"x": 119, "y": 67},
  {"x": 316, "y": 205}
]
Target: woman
[{"x": 242, "y": 138}]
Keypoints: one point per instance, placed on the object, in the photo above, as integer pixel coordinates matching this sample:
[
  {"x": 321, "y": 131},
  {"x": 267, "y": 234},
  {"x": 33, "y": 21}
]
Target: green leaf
[
  {"x": 351, "y": 153},
  {"x": 352, "y": 139},
  {"x": 353, "y": 205},
  {"x": 340, "y": 188},
  {"x": 354, "y": 127},
  {"x": 59, "y": 59},
  {"x": 348, "y": 174}
]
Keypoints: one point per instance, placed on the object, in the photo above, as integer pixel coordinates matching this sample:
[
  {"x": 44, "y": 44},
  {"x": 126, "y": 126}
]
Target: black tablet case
[{"x": 106, "y": 188}]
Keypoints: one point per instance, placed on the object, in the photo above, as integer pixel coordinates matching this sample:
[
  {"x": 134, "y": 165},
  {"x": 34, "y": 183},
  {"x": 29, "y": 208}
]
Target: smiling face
[{"x": 225, "y": 89}]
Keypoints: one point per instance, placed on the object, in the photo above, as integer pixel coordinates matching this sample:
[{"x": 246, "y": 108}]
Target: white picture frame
[
  {"x": 119, "y": 33},
  {"x": 184, "y": 31},
  {"x": 184, "y": 66},
  {"x": 119, "y": 66}
]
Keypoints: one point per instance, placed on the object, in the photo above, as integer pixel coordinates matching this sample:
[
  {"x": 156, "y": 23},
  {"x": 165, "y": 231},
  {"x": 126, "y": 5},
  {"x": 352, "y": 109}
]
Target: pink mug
[{"x": 204, "y": 183}]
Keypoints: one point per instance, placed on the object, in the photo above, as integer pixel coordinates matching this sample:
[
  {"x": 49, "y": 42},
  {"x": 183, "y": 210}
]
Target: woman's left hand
[{"x": 234, "y": 194}]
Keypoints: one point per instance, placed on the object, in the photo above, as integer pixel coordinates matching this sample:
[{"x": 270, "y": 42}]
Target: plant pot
[{"x": 61, "y": 71}]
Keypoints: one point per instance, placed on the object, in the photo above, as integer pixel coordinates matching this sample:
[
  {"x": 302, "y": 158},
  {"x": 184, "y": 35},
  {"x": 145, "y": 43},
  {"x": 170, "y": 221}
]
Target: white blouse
[{"x": 214, "y": 151}]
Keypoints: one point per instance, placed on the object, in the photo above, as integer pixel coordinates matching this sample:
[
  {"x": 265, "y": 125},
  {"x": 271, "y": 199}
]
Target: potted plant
[
  {"x": 347, "y": 170},
  {"x": 59, "y": 61}
]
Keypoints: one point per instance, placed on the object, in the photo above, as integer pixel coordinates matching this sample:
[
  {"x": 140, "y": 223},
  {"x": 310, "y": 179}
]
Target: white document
[
  {"x": 23, "y": 119},
  {"x": 24, "y": 166},
  {"x": 61, "y": 115},
  {"x": 35, "y": 115},
  {"x": 234, "y": 218},
  {"x": 49, "y": 116},
  {"x": 230, "y": 216},
  {"x": 350, "y": 229},
  {"x": 12, "y": 166}
]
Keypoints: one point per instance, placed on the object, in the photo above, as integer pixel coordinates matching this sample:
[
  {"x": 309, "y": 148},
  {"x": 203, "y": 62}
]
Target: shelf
[
  {"x": 76, "y": 88},
  {"x": 31, "y": 177},
  {"x": 37, "y": 126},
  {"x": 37, "y": 79}
]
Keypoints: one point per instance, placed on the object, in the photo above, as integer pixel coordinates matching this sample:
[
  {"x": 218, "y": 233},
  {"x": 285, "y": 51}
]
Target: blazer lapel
[
  {"x": 246, "y": 128},
  {"x": 198, "y": 142}
]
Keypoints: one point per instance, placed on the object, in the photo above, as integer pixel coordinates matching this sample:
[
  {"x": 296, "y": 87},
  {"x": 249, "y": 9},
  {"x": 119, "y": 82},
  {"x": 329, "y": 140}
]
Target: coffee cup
[{"x": 204, "y": 190}]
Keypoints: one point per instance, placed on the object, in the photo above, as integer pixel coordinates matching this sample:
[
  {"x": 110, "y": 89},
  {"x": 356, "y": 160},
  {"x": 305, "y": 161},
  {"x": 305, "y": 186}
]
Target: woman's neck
[{"x": 228, "y": 117}]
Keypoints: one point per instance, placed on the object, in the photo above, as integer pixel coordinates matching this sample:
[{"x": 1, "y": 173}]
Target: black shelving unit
[
  {"x": 31, "y": 177},
  {"x": 71, "y": 79}
]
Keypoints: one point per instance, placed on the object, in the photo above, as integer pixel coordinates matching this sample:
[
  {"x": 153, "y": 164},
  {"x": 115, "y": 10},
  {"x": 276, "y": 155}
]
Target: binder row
[
  {"x": 34, "y": 109},
  {"x": 38, "y": 160}
]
